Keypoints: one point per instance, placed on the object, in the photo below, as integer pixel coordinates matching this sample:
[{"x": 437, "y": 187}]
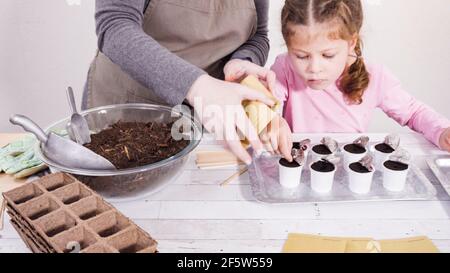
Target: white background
[{"x": 46, "y": 45}]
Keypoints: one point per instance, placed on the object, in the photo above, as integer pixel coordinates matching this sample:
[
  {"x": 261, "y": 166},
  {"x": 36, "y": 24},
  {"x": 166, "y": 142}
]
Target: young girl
[{"x": 326, "y": 85}]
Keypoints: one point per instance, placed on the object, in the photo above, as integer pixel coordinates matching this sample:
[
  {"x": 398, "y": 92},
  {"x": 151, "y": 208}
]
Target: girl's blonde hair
[{"x": 347, "y": 16}]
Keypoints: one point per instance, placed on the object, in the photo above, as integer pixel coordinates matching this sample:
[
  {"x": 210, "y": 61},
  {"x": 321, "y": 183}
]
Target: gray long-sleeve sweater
[{"x": 122, "y": 39}]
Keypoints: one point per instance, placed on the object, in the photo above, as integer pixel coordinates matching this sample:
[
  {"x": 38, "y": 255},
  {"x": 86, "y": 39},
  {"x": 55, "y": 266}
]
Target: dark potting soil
[
  {"x": 354, "y": 149},
  {"x": 359, "y": 168},
  {"x": 384, "y": 148},
  {"x": 395, "y": 166},
  {"x": 323, "y": 166},
  {"x": 321, "y": 149},
  {"x": 133, "y": 144},
  {"x": 285, "y": 163}
]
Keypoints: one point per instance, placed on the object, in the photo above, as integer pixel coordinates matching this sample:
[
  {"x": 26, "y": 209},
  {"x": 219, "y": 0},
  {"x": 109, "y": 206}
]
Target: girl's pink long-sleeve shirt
[{"x": 326, "y": 111}]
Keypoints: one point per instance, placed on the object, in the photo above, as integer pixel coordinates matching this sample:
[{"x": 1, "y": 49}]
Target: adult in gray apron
[{"x": 204, "y": 38}]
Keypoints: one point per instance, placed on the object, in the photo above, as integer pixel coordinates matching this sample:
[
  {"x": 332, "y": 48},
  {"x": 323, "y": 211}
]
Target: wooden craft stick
[
  {"x": 234, "y": 176},
  {"x": 216, "y": 159}
]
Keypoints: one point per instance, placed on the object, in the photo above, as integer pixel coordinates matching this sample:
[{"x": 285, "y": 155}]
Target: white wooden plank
[
  {"x": 13, "y": 246},
  {"x": 242, "y": 246},
  {"x": 253, "y": 210},
  {"x": 233, "y": 210},
  {"x": 220, "y": 246},
  {"x": 204, "y": 193},
  {"x": 8, "y": 231},
  {"x": 424, "y": 150},
  {"x": 385, "y": 210},
  {"x": 442, "y": 245},
  {"x": 205, "y": 246},
  {"x": 279, "y": 229}
]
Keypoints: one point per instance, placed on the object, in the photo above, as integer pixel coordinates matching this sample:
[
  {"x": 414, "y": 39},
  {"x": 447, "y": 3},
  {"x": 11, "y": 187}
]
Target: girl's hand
[
  {"x": 444, "y": 140},
  {"x": 277, "y": 138},
  {"x": 236, "y": 70},
  {"x": 219, "y": 107}
]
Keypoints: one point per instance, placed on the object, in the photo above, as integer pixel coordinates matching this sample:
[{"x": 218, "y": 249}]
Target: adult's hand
[
  {"x": 236, "y": 70},
  {"x": 219, "y": 107}
]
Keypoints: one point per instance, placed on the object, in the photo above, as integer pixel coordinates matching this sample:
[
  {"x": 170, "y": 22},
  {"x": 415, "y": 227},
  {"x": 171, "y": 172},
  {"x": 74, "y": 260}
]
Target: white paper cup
[
  {"x": 350, "y": 158},
  {"x": 394, "y": 180},
  {"x": 289, "y": 177},
  {"x": 360, "y": 183},
  {"x": 322, "y": 182},
  {"x": 379, "y": 157}
]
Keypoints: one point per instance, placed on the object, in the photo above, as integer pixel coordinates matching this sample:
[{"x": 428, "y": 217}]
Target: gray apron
[{"x": 203, "y": 32}]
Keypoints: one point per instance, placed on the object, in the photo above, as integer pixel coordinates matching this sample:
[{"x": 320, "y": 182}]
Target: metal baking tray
[
  {"x": 440, "y": 165},
  {"x": 263, "y": 173}
]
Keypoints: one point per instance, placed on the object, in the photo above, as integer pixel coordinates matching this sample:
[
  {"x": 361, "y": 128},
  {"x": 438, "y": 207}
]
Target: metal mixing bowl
[{"x": 133, "y": 183}]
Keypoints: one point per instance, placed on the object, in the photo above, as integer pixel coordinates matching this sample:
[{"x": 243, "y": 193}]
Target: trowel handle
[
  {"x": 71, "y": 99},
  {"x": 29, "y": 126}
]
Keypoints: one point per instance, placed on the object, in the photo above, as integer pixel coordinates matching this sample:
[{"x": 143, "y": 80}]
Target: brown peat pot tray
[{"x": 48, "y": 223}]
